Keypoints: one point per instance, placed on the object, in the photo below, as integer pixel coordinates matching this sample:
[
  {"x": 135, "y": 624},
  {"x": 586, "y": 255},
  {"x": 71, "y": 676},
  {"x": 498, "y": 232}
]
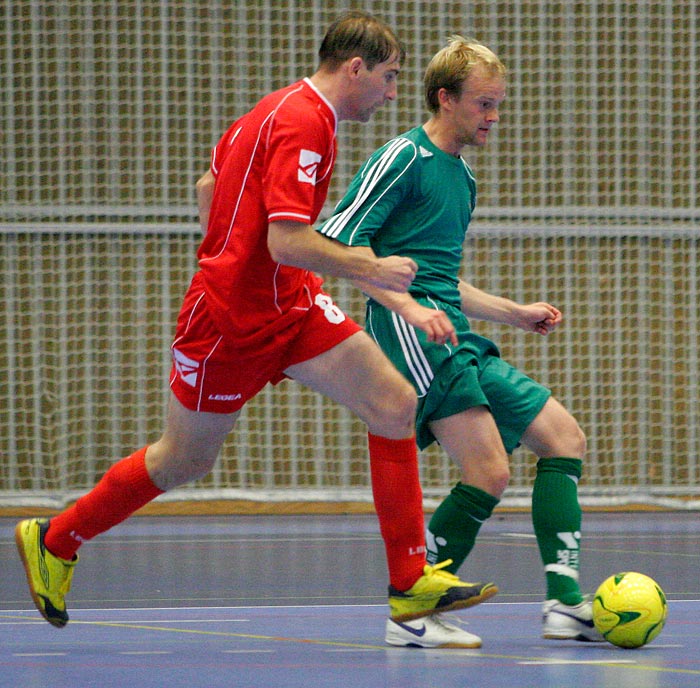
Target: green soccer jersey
[{"x": 411, "y": 199}]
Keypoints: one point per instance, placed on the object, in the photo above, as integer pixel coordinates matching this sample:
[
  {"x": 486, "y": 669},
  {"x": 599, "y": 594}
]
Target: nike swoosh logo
[{"x": 418, "y": 632}]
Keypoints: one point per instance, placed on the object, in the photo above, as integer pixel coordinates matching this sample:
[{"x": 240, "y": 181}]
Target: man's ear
[
  {"x": 354, "y": 66},
  {"x": 445, "y": 98}
]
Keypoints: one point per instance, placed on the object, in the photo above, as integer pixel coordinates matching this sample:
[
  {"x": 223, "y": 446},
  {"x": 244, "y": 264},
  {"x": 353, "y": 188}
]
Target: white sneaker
[
  {"x": 429, "y": 631},
  {"x": 569, "y": 622}
]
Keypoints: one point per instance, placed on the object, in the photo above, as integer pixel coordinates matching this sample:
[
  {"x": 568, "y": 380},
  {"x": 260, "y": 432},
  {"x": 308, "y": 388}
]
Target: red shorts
[{"x": 211, "y": 374}]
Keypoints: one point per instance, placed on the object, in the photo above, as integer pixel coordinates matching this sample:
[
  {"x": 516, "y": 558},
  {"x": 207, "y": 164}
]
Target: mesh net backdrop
[{"x": 588, "y": 198}]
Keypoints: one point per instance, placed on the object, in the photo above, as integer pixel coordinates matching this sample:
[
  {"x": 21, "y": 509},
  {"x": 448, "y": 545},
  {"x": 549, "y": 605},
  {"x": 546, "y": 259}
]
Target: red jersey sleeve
[{"x": 300, "y": 154}]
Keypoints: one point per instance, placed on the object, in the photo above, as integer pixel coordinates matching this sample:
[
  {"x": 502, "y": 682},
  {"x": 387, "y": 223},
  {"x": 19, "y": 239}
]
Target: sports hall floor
[{"x": 298, "y": 600}]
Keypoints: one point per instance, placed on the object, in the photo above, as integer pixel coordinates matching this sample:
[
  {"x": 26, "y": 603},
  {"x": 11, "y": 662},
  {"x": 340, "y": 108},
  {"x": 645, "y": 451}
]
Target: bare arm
[
  {"x": 538, "y": 317},
  {"x": 205, "y": 192},
  {"x": 435, "y": 323},
  {"x": 300, "y": 245}
]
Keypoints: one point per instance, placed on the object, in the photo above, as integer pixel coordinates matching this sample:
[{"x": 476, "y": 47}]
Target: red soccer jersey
[{"x": 274, "y": 163}]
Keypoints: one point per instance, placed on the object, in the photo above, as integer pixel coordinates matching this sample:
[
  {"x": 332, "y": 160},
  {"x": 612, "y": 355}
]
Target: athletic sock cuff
[
  {"x": 559, "y": 464},
  {"x": 394, "y": 451},
  {"x": 478, "y": 502}
]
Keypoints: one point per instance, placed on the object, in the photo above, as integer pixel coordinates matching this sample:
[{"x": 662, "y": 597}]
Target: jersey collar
[{"x": 308, "y": 82}]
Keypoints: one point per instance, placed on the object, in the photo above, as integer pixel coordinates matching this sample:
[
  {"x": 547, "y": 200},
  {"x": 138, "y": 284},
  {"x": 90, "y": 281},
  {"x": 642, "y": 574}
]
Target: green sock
[
  {"x": 556, "y": 517},
  {"x": 454, "y": 525}
]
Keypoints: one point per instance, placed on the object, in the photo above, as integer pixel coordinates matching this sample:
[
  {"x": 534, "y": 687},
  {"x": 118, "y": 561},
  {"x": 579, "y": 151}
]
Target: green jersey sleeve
[{"x": 382, "y": 184}]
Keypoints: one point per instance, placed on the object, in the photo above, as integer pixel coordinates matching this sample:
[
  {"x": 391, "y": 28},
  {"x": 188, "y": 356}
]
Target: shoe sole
[
  {"x": 415, "y": 638},
  {"x": 444, "y": 646},
  {"x": 38, "y": 600},
  {"x": 488, "y": 592},
  {"x": 579, "y": 638}
]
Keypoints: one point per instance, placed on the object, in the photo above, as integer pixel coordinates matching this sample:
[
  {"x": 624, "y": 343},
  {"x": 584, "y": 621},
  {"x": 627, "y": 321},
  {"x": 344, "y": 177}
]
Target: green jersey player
[{"x": 415, "y": 197}]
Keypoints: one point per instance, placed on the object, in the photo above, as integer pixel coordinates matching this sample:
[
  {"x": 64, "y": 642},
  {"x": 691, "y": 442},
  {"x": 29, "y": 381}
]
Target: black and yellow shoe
[
  {"x": 437, "y": 591},
  {"x": 48, "y": 576}
]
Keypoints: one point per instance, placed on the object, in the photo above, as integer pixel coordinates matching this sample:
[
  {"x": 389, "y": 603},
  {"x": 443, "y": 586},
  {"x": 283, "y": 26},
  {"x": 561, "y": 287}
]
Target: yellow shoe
[
  {"x": 437, "y": 591},
  {"x": 48, "y": 576}
]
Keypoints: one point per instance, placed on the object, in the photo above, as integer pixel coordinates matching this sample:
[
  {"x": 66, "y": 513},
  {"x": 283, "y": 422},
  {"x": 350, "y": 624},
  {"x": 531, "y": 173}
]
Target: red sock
[
  {"x": 123, "y": 489},
  {"x": 398, "y": 500}
]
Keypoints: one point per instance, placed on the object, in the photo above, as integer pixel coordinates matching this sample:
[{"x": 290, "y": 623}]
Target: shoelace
[
  {"x": 448, "y": 622},
  {"x": 436, "y": 570},
  {"x": 64, "y": 588}
]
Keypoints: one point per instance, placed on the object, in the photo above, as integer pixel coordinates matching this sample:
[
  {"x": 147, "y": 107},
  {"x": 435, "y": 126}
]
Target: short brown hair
[
  {"x": 359, "y": 34},
  {"x": 451, "y": 66}
]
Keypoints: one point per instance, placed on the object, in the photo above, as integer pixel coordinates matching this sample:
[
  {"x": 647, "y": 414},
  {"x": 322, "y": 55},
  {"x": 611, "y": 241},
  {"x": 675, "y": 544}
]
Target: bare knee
[
  {"x": 189, "y": 446},
  {"x": 490, "y": 476},
  {"x": 555, "y": 433},
  {"x": 579, "y": 442},
  {"x": 393, "y": 413},
  {"x": 570, "y": 441},
  {"x": 499, "y": 479},
  {"x": 170, "y": 465}
]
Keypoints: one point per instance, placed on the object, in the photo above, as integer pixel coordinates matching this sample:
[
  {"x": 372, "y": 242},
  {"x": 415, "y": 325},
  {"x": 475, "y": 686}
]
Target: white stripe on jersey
[
  {"x": 302, "y": 218},
  {"x": 371, "y": 176},
  {"x": 468, "y": 170},
  {"x": 234, "y": 215},
  {"x": 413, "y": 354},
  {"x": 213, "y": 166},
  {"x": 241, "y": 192}
]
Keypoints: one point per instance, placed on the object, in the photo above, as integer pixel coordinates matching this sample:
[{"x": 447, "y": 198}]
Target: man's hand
[
  {"x": 395, "y": 273},
  {"x": 540, "y": 318},
  {"x": 433, "y": 322}
]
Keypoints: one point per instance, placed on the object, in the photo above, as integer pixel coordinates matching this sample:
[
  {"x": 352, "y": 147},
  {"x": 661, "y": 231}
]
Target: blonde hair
[{"x": 451, "y": 66}]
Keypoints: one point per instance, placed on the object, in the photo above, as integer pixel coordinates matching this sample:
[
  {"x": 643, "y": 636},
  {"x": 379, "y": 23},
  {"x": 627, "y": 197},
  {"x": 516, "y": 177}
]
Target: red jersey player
[{"x": 255, "y": 313}]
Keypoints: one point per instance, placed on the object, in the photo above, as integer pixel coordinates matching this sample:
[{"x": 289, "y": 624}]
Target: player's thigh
[
  {"x": 358, "y": 375},
  {"x": 472, "y": 440}
]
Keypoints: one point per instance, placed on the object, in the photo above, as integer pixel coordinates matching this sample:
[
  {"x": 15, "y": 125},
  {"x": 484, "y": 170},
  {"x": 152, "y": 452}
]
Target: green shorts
[{"x": 449, "y": 379}]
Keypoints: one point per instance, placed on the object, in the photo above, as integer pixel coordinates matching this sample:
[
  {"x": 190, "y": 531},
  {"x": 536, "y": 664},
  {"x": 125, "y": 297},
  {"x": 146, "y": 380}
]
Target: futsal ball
[{"x": 629, "y": 609}]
